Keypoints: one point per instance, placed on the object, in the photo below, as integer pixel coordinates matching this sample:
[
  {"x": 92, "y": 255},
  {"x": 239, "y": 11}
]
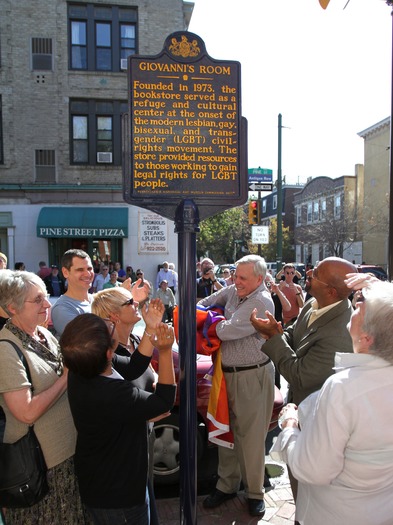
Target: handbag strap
[{"x": 22, "y": 358}]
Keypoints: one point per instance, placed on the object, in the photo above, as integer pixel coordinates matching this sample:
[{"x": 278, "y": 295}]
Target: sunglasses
[
  {"x": 290, "y": 273},
  {"x": 130, "y": 302},
  {"x": 139, "y": 274}
]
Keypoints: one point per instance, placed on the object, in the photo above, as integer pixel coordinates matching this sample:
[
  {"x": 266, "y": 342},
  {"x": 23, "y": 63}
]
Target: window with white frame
[
  {"x": 337, "y": 206},
  {"x": 101, "y": 37},
  {"x": 323, "y": 209},
  {"x": 315, "y": 215},
  {"x": 309, "y": 212},
  {"x": 298, "y": 215},
  {"x": 264, "y": 205},
  {"x": 275, "y": 201}
]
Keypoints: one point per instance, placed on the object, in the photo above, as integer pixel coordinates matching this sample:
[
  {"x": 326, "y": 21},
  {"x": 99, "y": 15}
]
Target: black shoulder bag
[{"x": 23, "y": 481}]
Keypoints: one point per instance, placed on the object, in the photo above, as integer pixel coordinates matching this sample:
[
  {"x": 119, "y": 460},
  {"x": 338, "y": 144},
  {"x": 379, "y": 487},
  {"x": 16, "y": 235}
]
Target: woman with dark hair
[
  {"x": 41, "y": 400},
  {"x": 118, "y": 305},
  {"x": 348, "y": 421},
  {"x": 111, "y": 415}
]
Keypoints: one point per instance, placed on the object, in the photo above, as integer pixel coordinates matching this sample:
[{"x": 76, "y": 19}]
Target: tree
[
  {"x": 338, "y": 231},
  {"x": 219, "y": 233}
]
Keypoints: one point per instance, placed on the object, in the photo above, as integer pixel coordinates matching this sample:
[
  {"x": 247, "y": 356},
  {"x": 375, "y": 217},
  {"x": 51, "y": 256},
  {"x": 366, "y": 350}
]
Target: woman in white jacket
[{"x": 339, "y": 444}]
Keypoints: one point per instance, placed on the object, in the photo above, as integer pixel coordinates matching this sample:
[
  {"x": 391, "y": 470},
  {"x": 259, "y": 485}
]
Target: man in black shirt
[{"x": 207, "y": 284}]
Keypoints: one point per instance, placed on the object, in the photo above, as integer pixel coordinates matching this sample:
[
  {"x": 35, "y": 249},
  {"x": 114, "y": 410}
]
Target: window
[
  {"x": 103, "y": 47},
  {"x": 323, "y": 210},
  {"x": 298, "y": 215},
  {"x": 309, "y": 212},
  {"x": 1, "y": 132},
  {"x": 337, "y": 206},
  {"x": 101, "y": 38},
  {"x": 45, "y": 165},
  {"x": 264, "y": 206},
  {"x": 275, "y": 202},
  {"x": 95, "y": 129},
  {"x": 315, "y": 216},
  {"x": 41, "y": 54},
  {"x": 78, "y": 45}
]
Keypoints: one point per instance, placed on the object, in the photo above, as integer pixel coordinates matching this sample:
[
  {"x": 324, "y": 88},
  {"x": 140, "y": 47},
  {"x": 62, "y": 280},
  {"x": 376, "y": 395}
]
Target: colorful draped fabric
[{"x": 208, "y": 343}]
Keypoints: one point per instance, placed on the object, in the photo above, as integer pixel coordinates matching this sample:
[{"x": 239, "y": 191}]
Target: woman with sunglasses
[
  {"x": 118, "y": 305},
  {"x": 40, "y": 399},
  {"x": 110, "y": 415}
]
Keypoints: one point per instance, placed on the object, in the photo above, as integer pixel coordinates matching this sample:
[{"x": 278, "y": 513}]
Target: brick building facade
[{"x": 63, "y": 90}]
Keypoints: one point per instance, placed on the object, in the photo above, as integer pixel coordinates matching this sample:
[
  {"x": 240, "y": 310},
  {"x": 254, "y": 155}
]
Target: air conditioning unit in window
[
  {"x": 123, "y": 63},
  {"x": 104, "y": 156}
]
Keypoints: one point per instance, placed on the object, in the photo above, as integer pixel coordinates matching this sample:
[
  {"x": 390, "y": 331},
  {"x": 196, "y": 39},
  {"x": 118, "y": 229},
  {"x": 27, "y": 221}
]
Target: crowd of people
[{"x": 93, "y": 396}]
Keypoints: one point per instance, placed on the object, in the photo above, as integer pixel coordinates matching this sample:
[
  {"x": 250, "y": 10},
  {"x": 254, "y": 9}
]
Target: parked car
[
  {"x": 166, "y": 447},
  {"x": 272, "y": 268},
  {"x": 378, "y": 271}
]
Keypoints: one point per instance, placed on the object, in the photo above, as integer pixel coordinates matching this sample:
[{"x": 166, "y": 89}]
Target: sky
[{"x": 327, "y": 72}]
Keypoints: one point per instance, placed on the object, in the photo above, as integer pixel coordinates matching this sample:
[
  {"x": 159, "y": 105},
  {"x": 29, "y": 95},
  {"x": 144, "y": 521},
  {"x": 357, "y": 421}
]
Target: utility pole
[
  {"x": 279, "y": 198},
  {"x": 390, "y": 235}
]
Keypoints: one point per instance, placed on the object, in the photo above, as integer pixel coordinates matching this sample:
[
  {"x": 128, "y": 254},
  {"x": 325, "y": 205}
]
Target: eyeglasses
[
  {"x": 105, "y": 269},
  {"x": 111, "y": 327},
  {"x": 139, "y": 273},
  {"x": 39, "y": 300},
  {"x": 130, "y": 302},
  {"x": 312, "y": 274}
]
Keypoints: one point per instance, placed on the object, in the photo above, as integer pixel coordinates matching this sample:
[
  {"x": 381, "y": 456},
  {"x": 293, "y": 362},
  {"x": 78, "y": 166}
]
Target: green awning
[{"x": 82, "y": 222}]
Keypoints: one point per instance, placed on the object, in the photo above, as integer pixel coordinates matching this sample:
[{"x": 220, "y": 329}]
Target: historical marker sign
[{"x": 187, "y": 138}]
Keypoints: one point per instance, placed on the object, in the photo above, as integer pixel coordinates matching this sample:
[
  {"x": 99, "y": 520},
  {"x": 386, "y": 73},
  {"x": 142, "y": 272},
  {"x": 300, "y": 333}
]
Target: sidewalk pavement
[{"x": 280, "y": 508}]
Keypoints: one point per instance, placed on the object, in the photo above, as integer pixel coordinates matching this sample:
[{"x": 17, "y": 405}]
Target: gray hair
[
  {"x": 378, "y": 318},
  {"x": 15, "y": 287},
  {"x": 259, "y": 263}
]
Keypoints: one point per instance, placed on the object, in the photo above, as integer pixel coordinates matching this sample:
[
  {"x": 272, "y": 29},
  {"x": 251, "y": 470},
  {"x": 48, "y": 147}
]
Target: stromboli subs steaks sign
[{"x": 187, "y": 136}]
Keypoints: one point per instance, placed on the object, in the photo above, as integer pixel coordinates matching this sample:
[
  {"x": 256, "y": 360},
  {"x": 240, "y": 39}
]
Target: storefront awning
[{"x": 82, "y": 222}]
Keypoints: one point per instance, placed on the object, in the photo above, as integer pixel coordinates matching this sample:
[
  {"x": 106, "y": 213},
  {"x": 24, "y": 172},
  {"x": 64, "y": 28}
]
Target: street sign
[
  {"x": 260, "y": 234},
  {"x": 260, "y": 187},
  {"x": 260, "y": 175}
]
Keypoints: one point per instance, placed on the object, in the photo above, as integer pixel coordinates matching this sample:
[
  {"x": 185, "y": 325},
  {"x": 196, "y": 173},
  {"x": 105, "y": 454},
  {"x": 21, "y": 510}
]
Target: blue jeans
[{"x": 138, "y": 515}]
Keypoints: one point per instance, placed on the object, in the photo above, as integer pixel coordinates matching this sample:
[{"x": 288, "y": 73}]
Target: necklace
[{"x": 128, "y": 345}]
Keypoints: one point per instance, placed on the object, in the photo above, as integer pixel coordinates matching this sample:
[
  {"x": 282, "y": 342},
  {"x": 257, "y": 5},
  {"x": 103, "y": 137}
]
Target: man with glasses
[
  {"x": 293, "y": 292},
  {"x": 304, "y": 352},
  {"x": 101, "y": 278}
]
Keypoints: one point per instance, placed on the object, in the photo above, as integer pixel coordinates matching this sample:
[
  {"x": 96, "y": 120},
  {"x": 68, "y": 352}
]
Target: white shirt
[{"x": 343, "y": 455}]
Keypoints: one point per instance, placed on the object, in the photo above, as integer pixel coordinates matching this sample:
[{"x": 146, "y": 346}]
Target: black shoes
[
  {"x": 256, "y": 507},
  {"x": 216, "y": 498}
]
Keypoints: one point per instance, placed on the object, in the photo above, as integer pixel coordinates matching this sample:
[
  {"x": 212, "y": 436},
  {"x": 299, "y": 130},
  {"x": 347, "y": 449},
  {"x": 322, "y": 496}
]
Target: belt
[{"x": 242, "y": 368}]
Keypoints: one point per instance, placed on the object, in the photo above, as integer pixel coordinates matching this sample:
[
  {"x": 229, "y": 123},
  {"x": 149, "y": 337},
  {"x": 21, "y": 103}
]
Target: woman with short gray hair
[
  {"x": 40, "y": 399},
  {"x": 348, "y": 420}
]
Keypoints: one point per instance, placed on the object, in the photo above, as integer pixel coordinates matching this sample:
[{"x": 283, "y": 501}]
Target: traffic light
[{"x": 253, "y": 212}]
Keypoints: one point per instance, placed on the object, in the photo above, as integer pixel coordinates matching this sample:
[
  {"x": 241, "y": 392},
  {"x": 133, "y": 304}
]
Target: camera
[{"x": 208, "y": 270}]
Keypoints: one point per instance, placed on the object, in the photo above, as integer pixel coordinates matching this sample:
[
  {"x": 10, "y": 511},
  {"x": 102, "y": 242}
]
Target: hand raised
[
  {"x": 266, "y": 327},
  {"x": 152, "y": 314}
]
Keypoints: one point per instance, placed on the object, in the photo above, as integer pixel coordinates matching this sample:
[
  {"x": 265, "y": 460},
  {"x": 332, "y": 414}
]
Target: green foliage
[{"x": 218, "y": 234}]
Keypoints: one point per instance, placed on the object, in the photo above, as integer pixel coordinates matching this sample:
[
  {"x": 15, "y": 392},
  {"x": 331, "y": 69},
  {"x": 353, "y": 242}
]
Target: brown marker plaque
[{"x": 187, "y": 138}]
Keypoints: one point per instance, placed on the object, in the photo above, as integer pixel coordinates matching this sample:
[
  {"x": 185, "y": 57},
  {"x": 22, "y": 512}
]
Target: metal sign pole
[{"x": 187, "y": 225}]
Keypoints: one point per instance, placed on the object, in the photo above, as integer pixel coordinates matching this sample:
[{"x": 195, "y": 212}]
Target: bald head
[{"x": 327, "y": 282}]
